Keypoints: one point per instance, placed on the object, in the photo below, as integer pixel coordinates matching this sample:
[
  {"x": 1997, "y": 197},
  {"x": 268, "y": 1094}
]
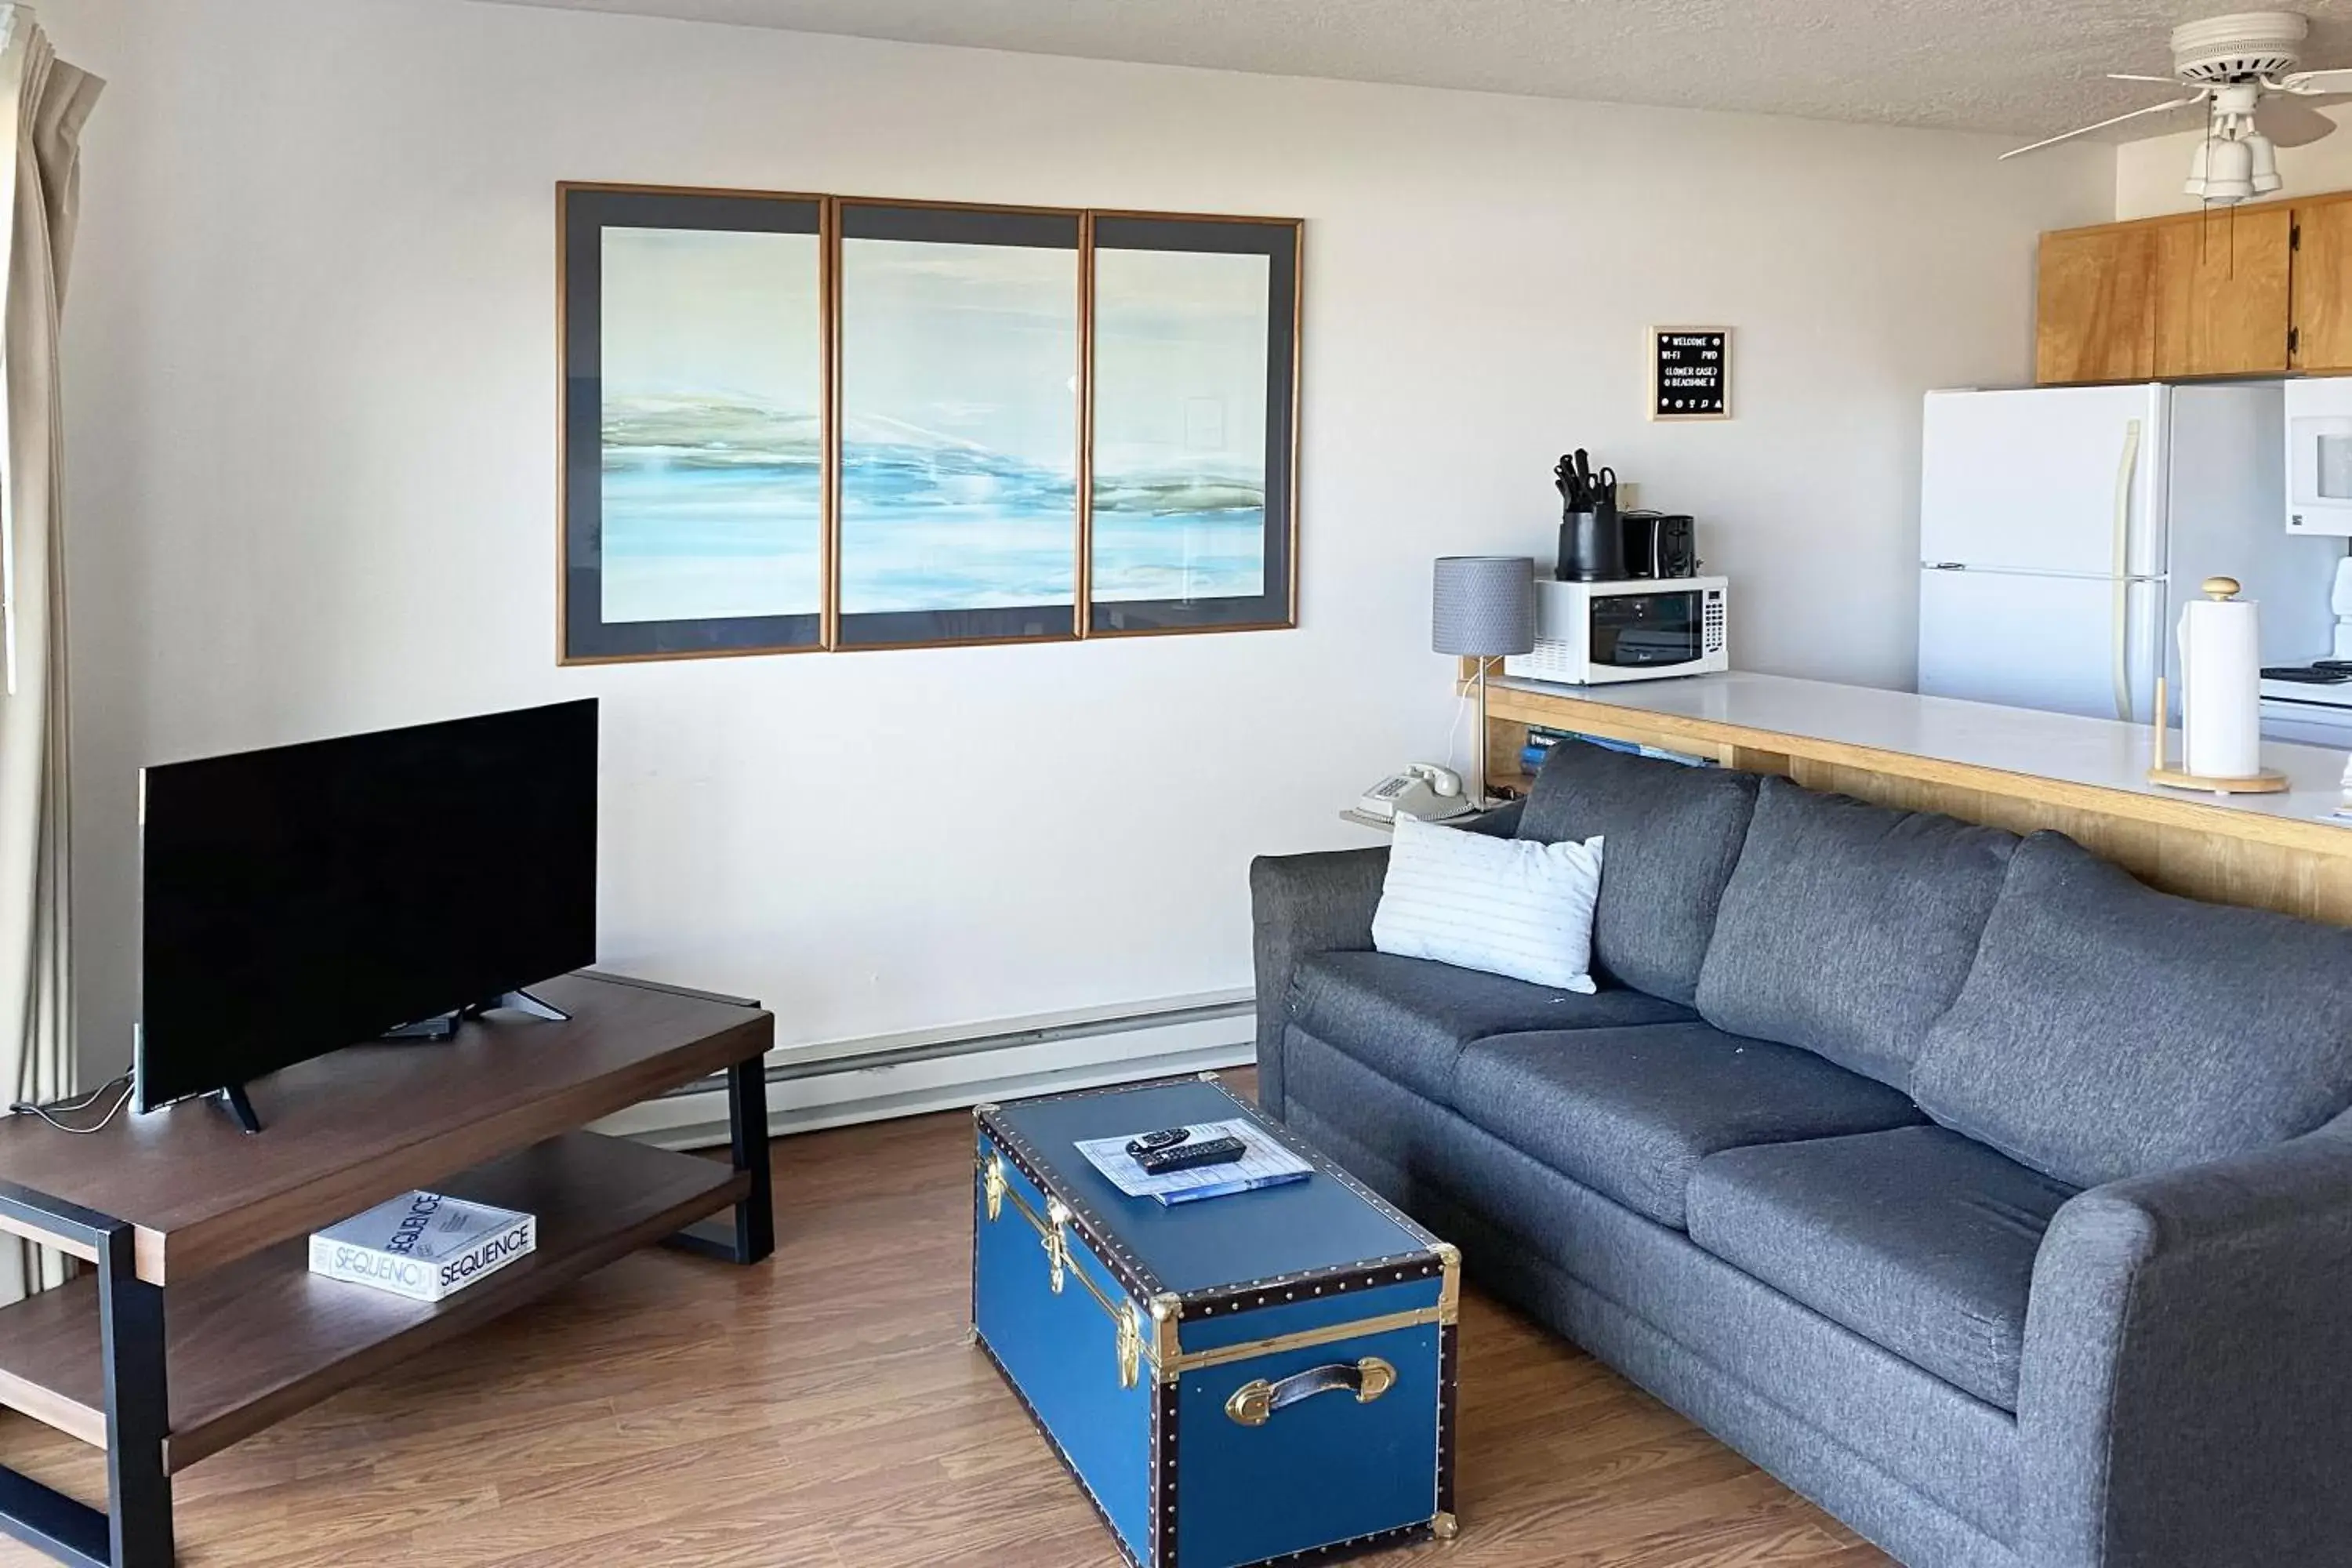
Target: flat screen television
[{"x": 310, "y": 897}]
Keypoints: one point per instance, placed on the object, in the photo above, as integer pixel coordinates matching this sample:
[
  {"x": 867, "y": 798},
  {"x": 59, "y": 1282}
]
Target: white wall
[
  {"x": 311, "y": 371},
  {"x": 2148, "y": 173}
]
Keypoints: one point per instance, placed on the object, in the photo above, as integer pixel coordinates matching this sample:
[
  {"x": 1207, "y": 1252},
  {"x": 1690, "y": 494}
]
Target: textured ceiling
[{"x": 2024, "y": 67}]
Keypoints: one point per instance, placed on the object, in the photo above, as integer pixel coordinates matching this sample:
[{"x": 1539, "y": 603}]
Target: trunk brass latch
[
  {"x": 1056, "y": 1243},
  {"x": 1130, "y": 1345},
  {"x": 992, "y": 1183}
]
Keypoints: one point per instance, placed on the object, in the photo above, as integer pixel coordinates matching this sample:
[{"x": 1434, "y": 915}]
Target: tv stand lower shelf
[
  {"x": 199, "y": 1323},
  {"x": 248, "y": 1345}
]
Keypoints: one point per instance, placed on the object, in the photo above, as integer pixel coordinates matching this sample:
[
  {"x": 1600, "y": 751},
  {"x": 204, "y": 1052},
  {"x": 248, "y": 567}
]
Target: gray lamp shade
[{"x": 1484, "y": 606}]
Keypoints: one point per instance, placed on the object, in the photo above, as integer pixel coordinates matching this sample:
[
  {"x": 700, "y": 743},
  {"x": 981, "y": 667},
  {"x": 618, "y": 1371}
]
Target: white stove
[{"x": 2313, "y": 705}]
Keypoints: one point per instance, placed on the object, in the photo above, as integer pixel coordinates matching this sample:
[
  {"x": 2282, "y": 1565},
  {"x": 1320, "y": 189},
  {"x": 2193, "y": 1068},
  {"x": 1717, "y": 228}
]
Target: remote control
[
  {"x": 1187, "y": 1156},
  {"x": 1144, "y": 1143}
]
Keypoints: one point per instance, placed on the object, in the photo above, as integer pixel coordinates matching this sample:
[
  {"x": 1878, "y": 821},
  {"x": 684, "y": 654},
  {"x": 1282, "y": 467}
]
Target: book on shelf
[
  {"x": 1540, "y": 741},
  {"x": 427, "y": 1246}
]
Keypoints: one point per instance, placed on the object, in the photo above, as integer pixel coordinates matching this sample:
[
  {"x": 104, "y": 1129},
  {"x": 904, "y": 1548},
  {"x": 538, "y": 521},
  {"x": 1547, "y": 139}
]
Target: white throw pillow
[{"x": 1506, "y": 906}]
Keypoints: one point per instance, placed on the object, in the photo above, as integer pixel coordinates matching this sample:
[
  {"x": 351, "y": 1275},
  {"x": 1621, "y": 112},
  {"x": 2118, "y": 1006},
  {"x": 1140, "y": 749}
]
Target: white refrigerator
[{"x": 2061, "y": 529}]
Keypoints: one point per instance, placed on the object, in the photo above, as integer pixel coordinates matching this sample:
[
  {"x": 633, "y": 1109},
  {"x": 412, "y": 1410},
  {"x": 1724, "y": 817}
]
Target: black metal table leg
[
  {"x": 754, "y": 1235},
  {"x": 747, "y": 1126},
  {"x": 135, "y": 1531},
  {"x": 138, "y": 1417}
]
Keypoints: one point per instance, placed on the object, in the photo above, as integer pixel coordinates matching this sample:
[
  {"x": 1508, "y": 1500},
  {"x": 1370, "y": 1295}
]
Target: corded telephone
[{"x": 1423, "y": 790}]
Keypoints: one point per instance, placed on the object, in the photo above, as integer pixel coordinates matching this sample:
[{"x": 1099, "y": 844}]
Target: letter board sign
[{"x": 1690, "y": 373}]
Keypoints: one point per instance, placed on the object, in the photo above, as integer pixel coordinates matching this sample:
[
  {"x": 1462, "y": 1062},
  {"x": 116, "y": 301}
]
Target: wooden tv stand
[{"x": 199, "y": 1322}]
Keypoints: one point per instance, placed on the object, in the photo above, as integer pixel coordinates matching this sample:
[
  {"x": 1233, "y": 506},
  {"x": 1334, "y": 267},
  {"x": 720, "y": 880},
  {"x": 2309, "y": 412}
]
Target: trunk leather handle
[{"x": 1254, "y": 1402}]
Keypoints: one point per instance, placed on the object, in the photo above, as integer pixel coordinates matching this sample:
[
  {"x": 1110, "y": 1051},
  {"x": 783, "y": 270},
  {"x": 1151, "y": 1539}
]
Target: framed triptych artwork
[{"x": 804, "y": 422}]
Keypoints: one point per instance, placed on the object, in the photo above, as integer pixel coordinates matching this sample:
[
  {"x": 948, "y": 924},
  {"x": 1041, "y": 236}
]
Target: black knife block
[{"x": 1591, "y": 547}]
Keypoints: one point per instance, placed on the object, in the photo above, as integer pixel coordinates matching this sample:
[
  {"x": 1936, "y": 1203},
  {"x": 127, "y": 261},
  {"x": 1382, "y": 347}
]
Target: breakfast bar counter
[{"x": 2010, "y": 767}]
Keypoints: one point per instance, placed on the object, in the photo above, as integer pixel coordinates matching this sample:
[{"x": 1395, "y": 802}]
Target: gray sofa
[{"x": 1996, "y": 1201}]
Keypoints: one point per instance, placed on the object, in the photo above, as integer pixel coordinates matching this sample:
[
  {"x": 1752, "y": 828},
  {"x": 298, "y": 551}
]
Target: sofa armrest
[
  {"x": 1502, "y": 821},
  {"x": 1302, "y": 904},
  {"x": 2186, "y": 1394}
]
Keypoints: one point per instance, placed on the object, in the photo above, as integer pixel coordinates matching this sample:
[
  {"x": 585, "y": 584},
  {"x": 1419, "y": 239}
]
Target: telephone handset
[{"x": 1422, "y": 790}]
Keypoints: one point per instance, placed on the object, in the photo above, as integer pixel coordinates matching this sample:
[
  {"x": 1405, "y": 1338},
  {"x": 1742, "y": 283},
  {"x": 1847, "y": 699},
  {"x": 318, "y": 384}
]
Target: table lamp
[{"x": 1482, "y": 607}]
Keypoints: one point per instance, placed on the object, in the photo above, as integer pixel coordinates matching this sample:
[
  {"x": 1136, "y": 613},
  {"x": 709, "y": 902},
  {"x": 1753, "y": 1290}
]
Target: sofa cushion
[
  {"x": 1917, "y": 1239},
  {"x": 1848, "y": 928},
  {"x": 1543, "y": 1243},
  {"x": 1632, "y": 1112},
  {"x": 2109, "y": 1030},
  {"x": 1410, "y": 1017},
  {"x": 1672, "y": 835}
]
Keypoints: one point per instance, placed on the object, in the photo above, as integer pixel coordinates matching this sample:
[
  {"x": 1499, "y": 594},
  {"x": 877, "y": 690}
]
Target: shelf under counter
[{"x": 251, "y": 1344}]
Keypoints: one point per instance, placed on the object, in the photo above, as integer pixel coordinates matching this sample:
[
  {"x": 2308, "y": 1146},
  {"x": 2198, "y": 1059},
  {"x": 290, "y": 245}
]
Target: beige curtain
[{"x": 43, "y": 104}]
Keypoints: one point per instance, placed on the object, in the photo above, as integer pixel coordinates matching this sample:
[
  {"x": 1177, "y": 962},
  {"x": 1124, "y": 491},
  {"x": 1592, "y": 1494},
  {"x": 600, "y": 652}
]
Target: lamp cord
[
  {"x": 71, "y": 1107},
  {"x": 1453, "y": 729}
]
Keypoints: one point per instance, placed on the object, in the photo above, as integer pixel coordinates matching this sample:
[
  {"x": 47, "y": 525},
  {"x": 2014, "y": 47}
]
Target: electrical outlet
[{"x": 1629, "y": 495}]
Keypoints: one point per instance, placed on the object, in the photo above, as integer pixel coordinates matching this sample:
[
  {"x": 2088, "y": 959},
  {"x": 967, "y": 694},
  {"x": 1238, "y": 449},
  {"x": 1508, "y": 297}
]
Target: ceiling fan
[{"x": 2242, "y": 69}]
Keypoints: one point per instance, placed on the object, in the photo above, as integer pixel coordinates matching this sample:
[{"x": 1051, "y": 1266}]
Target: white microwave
[
  {"x": 1647, "y": 629},
  {"x": 2319, "y": 455}
]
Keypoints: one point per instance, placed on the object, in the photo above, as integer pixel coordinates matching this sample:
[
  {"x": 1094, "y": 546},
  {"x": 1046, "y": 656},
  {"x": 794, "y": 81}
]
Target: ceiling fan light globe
[
  {"x": 2228, "y": 171},
  {"x": 2263, "y": 171},
  {"x": 2195, "y": 185}
]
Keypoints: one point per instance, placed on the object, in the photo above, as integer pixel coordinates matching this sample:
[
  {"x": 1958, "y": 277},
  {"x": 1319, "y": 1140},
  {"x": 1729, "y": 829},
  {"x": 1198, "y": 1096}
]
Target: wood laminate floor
[{"x": 824, "y": 1409}]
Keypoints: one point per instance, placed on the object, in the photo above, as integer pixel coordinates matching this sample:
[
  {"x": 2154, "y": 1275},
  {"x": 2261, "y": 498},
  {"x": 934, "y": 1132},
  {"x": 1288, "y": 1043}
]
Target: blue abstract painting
[
  {"x": 713, "y": 487},
  {"x": 959, "y": 426},
  {"x": 1181, "y": 342}
]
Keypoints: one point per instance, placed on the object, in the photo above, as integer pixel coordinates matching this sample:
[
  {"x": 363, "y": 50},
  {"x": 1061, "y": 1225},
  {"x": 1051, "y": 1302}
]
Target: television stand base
[
  {"x": 523, "y": 1002},
  {"x": 239, "y": 1106},
  {"x": 443, "y": 1026}
]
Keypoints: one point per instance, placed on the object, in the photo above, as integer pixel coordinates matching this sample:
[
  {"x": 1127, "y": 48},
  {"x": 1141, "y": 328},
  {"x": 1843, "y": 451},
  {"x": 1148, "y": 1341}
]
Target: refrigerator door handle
[{"x": 2124, "y": 472}]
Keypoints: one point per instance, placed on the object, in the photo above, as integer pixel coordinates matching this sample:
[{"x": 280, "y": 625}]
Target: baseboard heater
[{"x": 841, "y": 1082}]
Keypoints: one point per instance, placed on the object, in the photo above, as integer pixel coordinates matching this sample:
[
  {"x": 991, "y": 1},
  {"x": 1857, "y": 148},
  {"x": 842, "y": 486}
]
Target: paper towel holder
[{"x": 2267, "y": 781}]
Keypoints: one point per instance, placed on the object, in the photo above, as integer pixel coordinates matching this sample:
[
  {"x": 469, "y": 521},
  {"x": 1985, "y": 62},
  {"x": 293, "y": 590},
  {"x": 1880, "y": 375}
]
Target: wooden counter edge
[{"x": 2185, "y": 812}]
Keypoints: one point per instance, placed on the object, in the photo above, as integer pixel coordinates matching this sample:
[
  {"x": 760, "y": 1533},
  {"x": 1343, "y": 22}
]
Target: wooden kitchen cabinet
[
  {"x": 2095, "y": 305},
  {"x": 2223, "y": 293},
  {"x": 2258, "y": 289},
  {"x": 2323, "y": 287}
]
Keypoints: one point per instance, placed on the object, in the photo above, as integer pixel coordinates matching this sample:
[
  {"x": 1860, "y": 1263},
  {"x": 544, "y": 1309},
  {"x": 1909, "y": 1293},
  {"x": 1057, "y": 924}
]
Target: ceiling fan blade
[
  {"x": 2102, "y": 125},
  {"x": 2134, "y": 76},
  {"x": 2300, "y": 82},
  {"x": 2291, "y": 124}
]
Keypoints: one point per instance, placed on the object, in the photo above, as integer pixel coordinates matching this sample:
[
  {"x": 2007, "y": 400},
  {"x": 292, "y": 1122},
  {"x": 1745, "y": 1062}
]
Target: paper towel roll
[{"x": 2221, "y": 679}]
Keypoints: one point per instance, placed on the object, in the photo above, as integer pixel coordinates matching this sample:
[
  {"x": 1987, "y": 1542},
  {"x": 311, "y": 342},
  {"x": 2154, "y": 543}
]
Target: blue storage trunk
[{"x": 1263, "y": 1377}]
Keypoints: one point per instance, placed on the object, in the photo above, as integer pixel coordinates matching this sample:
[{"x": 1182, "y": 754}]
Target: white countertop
[{"x": 2103, "y": 754}]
